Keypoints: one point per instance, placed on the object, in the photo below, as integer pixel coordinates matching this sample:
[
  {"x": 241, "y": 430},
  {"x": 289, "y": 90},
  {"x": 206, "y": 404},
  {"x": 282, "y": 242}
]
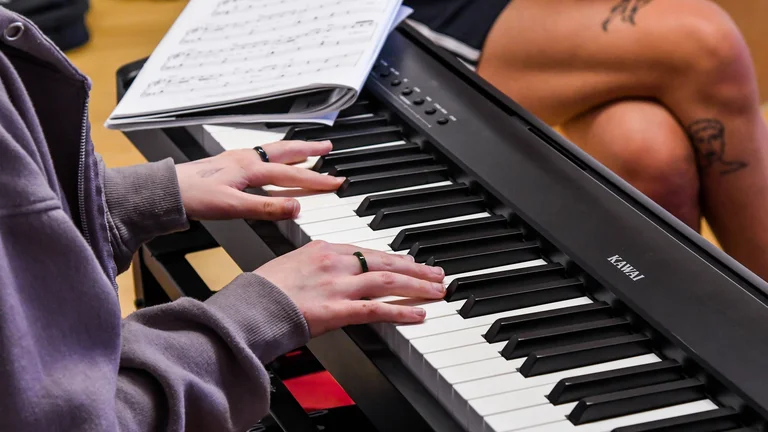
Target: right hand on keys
[{"x": 327, "y": 283}]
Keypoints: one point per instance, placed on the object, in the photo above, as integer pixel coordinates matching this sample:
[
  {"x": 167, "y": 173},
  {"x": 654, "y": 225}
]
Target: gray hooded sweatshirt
[{"x": 68, "y": 226}]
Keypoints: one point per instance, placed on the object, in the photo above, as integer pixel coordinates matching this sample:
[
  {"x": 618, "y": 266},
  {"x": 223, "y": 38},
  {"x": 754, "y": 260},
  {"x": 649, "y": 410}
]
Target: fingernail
[
  {"x": 440, "y": 288},
  {"x": 409, "y": 257},
  {"x": 419, "y": 312},
  {"x": 292, "y": 207},
  {"x": 437, "y": 270}
]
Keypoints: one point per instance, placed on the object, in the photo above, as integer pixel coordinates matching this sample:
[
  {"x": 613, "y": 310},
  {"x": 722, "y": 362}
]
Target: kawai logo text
[{"x": 624, "y": 266}]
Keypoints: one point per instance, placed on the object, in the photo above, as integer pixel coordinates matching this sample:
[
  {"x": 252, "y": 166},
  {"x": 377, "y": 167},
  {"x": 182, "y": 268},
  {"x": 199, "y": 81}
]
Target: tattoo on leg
[
  {"x": 708, "y": 139},
  {"x": 626, "y": 10}
]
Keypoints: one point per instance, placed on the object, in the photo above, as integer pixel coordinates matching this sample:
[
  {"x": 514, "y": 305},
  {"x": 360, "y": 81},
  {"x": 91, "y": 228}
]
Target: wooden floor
[{"x": 126, "y": 30}]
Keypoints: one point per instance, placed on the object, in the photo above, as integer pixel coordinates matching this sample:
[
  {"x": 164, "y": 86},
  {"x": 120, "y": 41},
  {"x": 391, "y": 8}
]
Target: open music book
[{"x": 245, "y": 61}]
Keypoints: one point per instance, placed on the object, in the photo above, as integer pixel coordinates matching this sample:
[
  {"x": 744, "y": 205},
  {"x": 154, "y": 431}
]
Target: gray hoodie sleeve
[
  {"x": 142, "y": 201},
  {"x": 69, "y": 362}
]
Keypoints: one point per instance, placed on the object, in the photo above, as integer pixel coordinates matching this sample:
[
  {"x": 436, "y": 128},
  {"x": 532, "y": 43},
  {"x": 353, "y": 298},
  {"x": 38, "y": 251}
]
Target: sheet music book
[{"x": 242, "y": 61}]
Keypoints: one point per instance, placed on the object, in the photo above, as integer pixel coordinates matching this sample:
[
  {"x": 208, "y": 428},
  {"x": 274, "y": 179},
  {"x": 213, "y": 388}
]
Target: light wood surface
[{"x": 126, "y": 30}]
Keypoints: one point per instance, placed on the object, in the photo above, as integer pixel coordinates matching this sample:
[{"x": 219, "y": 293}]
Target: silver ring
[{"x": 14, "y": 31}]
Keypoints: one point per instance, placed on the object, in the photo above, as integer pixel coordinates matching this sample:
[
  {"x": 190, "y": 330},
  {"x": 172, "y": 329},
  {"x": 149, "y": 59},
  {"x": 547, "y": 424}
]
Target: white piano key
[
  {"x": 317, "y": 201},
  {"x": 563, "y": 425},
  {"x": 465, "y": 354},
  {"x": 477, "y": 370},
  {"x": 313, "y": 230},
  {"x": 455, "y": 339},
  {"x": 514, "y": 381},
  {"x": 456, "y": 322},
  {"x": 484, "y": 407},
  {"x": 528, "y": 417},
  {"x": 373, "y": 146},
  {"x": 325, "y": 213},
  {"x": 307, "y": 164},
  {"x": 366, "y": 233}
]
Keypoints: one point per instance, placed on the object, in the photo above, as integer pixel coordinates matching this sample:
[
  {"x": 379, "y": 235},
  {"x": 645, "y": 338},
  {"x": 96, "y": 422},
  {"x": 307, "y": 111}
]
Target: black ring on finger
[
  {"x": 363, "y": 262},
  {"x": 262, "y": 153}
]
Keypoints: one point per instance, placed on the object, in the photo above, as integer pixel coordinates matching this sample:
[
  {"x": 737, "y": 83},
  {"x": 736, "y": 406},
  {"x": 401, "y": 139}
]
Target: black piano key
[
  {"x": 325, "y": 163},
  {"x": 318, "y": 132},
  {"x": 464, "y": 246},
  {"x": 522, "y": 297},
  {"x": 584, "y": 354},
  {"x": 372, "y": 204},
  {"x": 364, "y": 137},
  {"x": 494, "y": 257},
  {"x": 522, "y": 344},
  {"x": 626, "y": 402},
  {"x": 716, "y": 420},
  {"x": 427, "y": 211},
  {"x": 504, "y": 328},
  {"x": 406, "y": 238},
  {"x": 397, "y": 179},
  {"x": 379, "y": 165},
  {"x": 358, "y": 108},
  {"x": 491, "y": 283},
  {"x": 575, "y": 388}
]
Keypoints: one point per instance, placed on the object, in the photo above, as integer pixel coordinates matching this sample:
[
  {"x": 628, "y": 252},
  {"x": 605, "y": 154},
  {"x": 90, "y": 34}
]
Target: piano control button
[
  {"x": 626, "y": 402},
  {"x": 395, "y": 83},
  {"x": 442, "y": 121},
  {"x": 407, "y": 91},
  {"x": 430, "y": 111},
  {"x": 385, "y": 73},
  {"x": 418, "y": 101},
  {"x": 581, "y": 386}
]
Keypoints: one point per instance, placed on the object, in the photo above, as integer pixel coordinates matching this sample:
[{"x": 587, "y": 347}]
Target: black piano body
[{"x": 697, "y": 305}]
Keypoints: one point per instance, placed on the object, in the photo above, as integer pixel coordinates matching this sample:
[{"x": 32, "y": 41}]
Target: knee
[
  {"x": 713, "y": 55},
  {"x": 641, "y": 142}
]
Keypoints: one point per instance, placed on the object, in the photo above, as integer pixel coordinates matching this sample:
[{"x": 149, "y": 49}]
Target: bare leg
[
  {"x": 642, "y": 143},
  {"x": 561, "y": 59}
]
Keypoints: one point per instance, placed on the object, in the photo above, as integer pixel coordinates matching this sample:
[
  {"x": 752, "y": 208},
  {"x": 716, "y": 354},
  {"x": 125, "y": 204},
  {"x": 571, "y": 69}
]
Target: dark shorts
[{"x": 459, "y": 26}]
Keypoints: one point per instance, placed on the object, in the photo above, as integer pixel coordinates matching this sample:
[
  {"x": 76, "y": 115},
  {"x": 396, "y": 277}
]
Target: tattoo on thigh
[
  {"x": 625, "y": 10},
  {"x": 708, "y": 139}
]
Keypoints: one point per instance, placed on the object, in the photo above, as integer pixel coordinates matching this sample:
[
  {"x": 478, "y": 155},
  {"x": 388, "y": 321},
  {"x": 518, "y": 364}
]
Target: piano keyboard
[{"x": 519, "y": 343}]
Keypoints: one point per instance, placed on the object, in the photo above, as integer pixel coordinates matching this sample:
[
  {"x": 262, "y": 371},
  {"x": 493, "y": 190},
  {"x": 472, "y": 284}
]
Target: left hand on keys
[{"x": 212, "y": 188}]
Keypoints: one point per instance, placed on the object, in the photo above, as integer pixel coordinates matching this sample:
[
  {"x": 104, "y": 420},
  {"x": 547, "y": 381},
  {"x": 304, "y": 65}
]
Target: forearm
[
  {"x": 183, "y": 366},
  {"x": 142, "y": 202},
  {"x": 194, "y": 357}
]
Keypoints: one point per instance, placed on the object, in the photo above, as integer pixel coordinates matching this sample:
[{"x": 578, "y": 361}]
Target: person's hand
[
  {"x": 327, "y": 284},
  {"x": 212, "y": 188}
]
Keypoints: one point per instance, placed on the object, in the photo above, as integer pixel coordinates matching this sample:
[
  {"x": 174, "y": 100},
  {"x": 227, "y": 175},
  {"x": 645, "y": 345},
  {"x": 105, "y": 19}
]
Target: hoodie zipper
[{"x": 81, "y": 173}]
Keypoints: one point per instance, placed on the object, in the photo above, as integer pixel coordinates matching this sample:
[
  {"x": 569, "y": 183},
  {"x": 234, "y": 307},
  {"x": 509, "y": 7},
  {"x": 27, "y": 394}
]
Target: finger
[
  {"x": 258, "y": 207},
  {"x": 366, "y": 312},
  {"x": 290, "y": 176},
  {"x": 288, "y": 152},
  {"x": 381, "y": 284},
  {"x": 382, "y": 261}
]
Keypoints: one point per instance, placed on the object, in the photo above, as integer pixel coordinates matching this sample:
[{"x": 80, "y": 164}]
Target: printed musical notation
[
  {"x": 268, "y": 36},
  {"x": 246, "y": 78},
  {"x": 238, "y": 52}
]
